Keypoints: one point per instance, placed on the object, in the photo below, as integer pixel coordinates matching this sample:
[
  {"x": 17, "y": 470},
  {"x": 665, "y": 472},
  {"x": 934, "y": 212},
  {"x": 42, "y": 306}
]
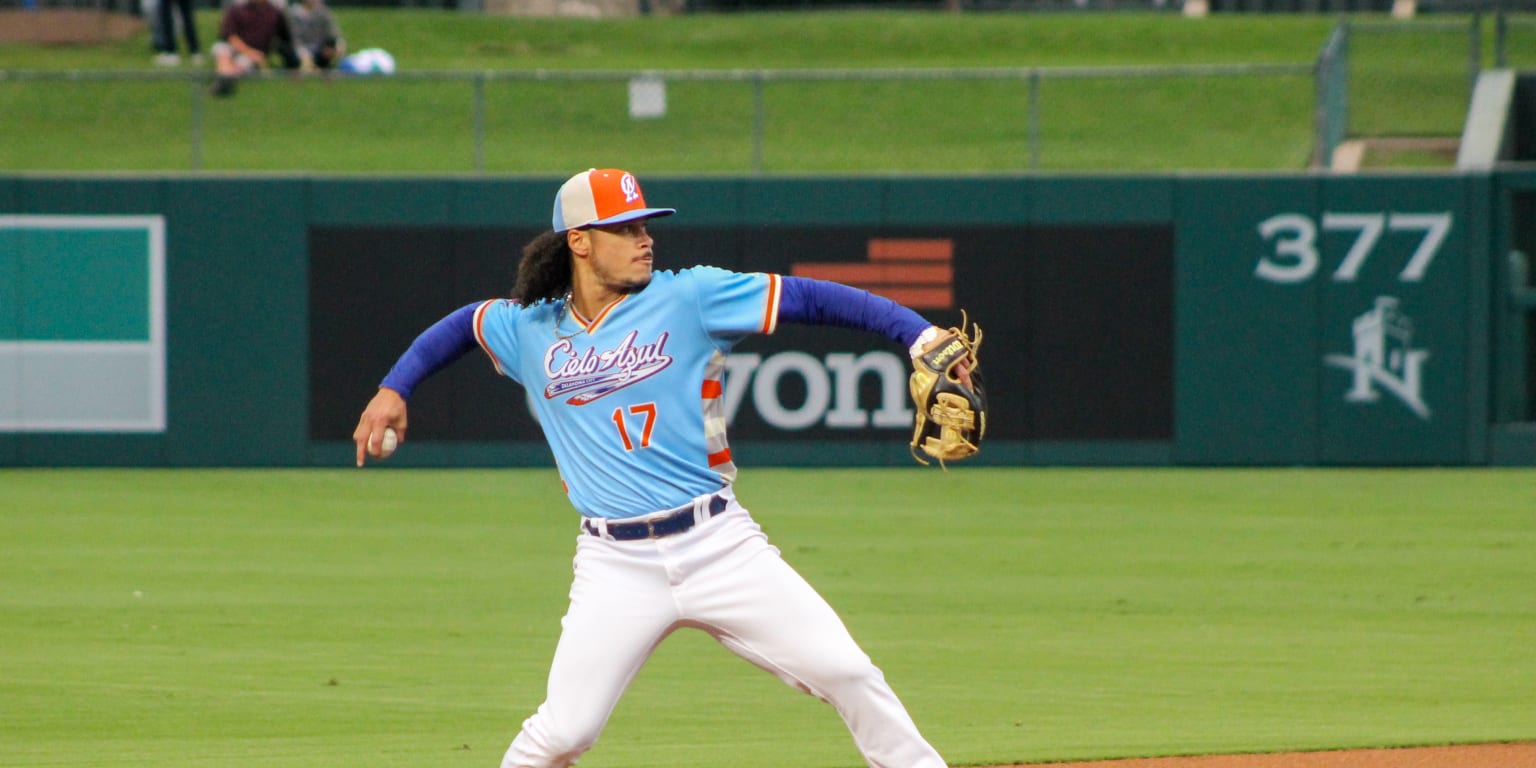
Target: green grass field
[
  {"x": 406, "y": 618},
  {"x": 1408, "y": 78}
]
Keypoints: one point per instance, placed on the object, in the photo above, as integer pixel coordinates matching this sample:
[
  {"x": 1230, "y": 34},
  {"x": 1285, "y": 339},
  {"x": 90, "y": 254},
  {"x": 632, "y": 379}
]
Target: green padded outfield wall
[
  {"x": 1333, "y": 321},
  {"x": 1212, "y": 320}
]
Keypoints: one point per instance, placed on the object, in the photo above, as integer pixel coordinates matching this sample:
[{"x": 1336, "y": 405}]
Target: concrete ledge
[
  {"x": 59, "y": 26},
  {"x": 1484, "y": 139},
  {"x": 1353, "y": 155},
  {"x": 1348, "y": 156}
]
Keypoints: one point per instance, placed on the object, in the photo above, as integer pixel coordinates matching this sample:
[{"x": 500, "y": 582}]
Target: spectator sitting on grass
[
  {"x": 316, "y": 35},
  {"x": 251, "y": 33}
]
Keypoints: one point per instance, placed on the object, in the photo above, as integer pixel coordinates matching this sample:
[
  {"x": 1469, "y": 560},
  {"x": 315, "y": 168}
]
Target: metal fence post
[
  {"x": 1514, "y": 404},
  {"x": 1331, "y": 73},
  {"x": 1034, "y": 119},
  {"x": 1500, "y": 33},
  {"x": 757, "y": 122},
  {"x": 479, "y": 120},
  {"x": 197, "y": 123},
  {"x": 1475, "y": 49}
]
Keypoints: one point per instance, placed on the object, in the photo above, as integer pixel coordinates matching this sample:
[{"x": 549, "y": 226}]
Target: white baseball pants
[{"x": 723, "y": 577}]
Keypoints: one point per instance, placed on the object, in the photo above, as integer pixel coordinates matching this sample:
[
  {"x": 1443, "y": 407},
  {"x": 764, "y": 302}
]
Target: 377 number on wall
[{"x": 1293, "y": 239}]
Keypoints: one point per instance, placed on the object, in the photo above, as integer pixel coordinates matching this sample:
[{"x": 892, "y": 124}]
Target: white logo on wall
[
  {"x": 64, "y": 370},
  {"x": 1384, "y": 358},
  {"x": 831, "y": 388}
]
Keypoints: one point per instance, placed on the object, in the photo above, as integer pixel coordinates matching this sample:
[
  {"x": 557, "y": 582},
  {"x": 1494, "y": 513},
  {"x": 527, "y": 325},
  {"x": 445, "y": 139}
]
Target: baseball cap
[{"x": 598, "y": 197}]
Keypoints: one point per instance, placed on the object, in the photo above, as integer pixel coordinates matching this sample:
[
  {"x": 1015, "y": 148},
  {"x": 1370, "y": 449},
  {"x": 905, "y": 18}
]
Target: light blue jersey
[{"x": 630, "y": 400}]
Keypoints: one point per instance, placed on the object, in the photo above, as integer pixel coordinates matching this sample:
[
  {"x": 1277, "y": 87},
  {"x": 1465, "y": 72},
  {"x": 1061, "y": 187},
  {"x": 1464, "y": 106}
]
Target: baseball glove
[{"x": 951, "y": 415}]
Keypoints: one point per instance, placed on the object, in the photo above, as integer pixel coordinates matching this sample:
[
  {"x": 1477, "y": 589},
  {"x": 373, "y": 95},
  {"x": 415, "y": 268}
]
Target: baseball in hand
[{"x": 388, "y": 443}]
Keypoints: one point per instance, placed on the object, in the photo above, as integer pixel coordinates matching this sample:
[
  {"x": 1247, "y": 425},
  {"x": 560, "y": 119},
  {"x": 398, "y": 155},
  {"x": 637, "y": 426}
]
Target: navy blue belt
[{"x": 674, "y": 522}]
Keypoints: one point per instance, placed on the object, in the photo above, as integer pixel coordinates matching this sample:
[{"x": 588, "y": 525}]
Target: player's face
[{"x": 621, "y": 256}]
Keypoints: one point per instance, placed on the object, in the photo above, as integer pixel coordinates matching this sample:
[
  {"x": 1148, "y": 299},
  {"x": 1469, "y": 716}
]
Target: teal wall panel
[
  {"x": 117, "y": 195},
  {"x": 958, "y": 201},
  {"x": 811, "y": 201},
  {"x": 700, "y": 202},
  {"x": 11, "y": 285},
  {"x": 1246, "y": 352},
  {"x": 1332, "y": 321},
  {"x": 494, "y": 202},
  {"x": 89, "y": 344},
  {"x": 1393, "y": 324},
  {"x": 1485, "y": 247},
  {"x": 374, "y": 201},
  {"x": 237, "y": 254},
  {"x": 101, "y": 270},
  {"x": 1070, "y": 199},
  {"x": 1279, "y": 283}
]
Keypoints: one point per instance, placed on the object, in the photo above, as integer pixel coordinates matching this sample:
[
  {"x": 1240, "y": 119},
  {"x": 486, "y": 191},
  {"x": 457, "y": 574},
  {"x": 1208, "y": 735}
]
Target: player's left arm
[
  {"x": 734, "y": 304},
  {"x": 822, "y": 302}
]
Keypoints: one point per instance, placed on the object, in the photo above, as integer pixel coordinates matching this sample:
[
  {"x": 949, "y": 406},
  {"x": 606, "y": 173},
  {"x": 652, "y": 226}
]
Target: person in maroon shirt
[{"x": 250, "y": 35}]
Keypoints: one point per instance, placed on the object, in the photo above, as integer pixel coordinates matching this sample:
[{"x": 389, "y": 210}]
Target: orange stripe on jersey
[
  {"x": 771, "y": 310},
  {"x": 576, "y": 313},
  {"x": 712, "y": 389},
  {"x": 480, "y": 333},
  {"x": 720, "y": 457},
  {"x": 601, "y": 315}
]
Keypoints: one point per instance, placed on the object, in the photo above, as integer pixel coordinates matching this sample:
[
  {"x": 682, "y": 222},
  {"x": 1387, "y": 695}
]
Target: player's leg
[
  {"x": 620, "y": 610},
  {"x": 763, "y": 610}
]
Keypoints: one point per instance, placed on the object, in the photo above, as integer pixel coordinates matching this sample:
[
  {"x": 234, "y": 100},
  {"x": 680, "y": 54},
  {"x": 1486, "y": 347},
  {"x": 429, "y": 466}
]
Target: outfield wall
[{"x": 1211, "y": 320}]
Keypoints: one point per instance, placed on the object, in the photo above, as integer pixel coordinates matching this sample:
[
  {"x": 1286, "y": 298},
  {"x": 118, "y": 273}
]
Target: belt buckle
[{"x": 650, "y": 529}]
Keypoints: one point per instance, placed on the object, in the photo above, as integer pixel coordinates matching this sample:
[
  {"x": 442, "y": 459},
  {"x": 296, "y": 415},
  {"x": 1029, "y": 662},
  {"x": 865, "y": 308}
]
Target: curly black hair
[{"x": 544, "y": 274}]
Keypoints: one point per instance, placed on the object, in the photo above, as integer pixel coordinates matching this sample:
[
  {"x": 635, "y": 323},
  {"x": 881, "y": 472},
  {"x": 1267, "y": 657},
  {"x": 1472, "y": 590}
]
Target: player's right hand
[{"x": 386, "y": 409}]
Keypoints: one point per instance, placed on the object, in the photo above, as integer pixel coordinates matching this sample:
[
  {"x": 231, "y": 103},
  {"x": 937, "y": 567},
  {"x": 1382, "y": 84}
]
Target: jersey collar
[{"x": 591, "y": 325}]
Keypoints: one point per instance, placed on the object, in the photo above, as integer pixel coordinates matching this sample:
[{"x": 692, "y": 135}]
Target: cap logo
[{"x": 600, "y": 198}]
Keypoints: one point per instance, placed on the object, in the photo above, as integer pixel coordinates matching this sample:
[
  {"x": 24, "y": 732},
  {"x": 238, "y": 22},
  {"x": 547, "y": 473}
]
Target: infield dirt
[{"x": 1515, "y": 755}]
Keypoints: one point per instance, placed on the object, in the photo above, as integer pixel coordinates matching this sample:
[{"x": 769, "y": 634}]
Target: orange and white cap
[{"x": 599, "y": 197}]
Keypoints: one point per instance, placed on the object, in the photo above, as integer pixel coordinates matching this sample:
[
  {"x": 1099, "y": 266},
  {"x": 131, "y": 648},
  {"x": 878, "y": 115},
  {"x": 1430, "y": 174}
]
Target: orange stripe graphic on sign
[
  {"x": 930, "y": 298},
  {"x": 899, "y": 274},
  {"x": 919, "y": 273},
  {"x": 911, "y": 250}
]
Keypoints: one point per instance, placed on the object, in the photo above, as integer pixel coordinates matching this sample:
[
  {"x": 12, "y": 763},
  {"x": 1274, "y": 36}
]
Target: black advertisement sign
[{"x": 1078, "y": 324}]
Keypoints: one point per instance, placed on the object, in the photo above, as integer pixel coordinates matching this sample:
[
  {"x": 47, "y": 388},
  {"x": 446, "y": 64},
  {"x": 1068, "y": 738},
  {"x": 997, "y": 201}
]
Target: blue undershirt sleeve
[
  {"x": 446, "y": 341},
  {"x": 821, "y": 302}
]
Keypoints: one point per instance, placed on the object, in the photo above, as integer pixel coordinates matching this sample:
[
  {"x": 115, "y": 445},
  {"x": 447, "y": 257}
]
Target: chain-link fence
[
  {"x": 1514, "y": 41},
  {"x": 747, "y": 121},
  {"x": 1393, "y": 63},
  {"x": 1371, "y": 68},
  {"x": 1283, "y": 116}
]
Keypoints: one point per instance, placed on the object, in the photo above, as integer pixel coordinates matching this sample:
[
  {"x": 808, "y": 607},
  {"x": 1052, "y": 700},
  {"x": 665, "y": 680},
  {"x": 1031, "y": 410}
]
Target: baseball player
[{"x": 625, "y": 365}]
